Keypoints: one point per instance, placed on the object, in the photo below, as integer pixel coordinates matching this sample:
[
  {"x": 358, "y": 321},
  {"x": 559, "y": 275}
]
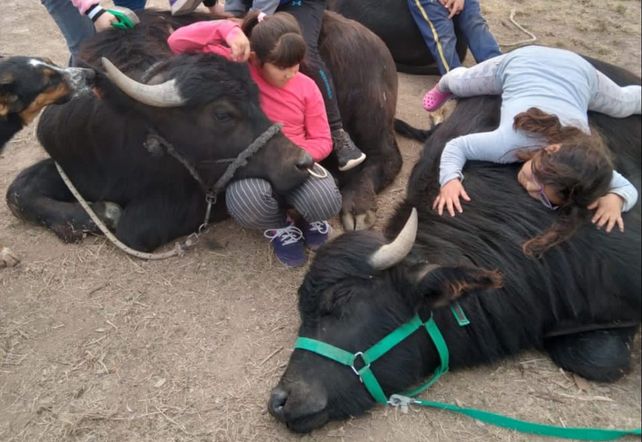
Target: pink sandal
[{"x": 434, "y": 98}]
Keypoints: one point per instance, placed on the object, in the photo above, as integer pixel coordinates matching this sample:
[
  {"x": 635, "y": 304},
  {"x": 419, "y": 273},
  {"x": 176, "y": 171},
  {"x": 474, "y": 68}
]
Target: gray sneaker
[
  {"x": 182, "y": 7},
  {"x": 348, "y": 154}
]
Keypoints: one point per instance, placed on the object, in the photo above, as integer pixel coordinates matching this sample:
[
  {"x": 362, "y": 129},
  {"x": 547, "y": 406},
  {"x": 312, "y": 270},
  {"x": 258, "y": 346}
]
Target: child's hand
[
  {"x": 104, "y": 22},
  {"x": 454, "y": 6},
  {"x": 608, "y": 212},
  {"x": 239, "y": 44},
  {"x": 449, "y": 197}
]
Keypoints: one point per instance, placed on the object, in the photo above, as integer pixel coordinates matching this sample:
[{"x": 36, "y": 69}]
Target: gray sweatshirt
[{"x": 525, "y": 83}]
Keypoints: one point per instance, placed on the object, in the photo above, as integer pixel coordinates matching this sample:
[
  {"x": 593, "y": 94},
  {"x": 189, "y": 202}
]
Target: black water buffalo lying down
[
  {"x": 207, "y": 109},
  {"x": 580, "y": 302},
  {"x": 391, "y": 20}
]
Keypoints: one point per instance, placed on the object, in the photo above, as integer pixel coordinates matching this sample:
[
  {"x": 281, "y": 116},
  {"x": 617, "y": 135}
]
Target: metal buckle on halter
[
  {"x": 191, "y": 240},
  {"x": 401, "y": 402},
  {"x": 357, "y": 371}
]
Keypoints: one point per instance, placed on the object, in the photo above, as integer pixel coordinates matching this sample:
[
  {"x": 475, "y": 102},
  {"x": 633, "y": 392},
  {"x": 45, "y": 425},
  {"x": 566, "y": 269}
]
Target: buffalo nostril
[
  {"x": 305, "y": 161},
  {"x": 278, "y": 398}
]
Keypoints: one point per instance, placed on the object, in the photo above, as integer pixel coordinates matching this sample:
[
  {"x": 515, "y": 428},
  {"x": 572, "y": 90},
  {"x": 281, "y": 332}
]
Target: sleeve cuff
[
  {"x": 94, "y": 12},
  {"x": 450, "y": 177}
]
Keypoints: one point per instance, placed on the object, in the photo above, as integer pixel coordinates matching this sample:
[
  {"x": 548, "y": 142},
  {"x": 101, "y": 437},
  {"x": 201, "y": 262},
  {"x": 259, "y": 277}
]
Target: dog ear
[{"x": 8, "y": 99}]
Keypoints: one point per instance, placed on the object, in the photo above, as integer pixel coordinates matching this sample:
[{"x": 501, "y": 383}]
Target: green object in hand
[{"x": 127, "y": 18}]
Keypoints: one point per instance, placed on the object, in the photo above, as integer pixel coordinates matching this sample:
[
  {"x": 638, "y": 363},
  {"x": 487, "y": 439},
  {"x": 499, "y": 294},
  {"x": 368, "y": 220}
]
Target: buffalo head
[
  {"x": 208, "y": 109},
  {"x": 358, "y": 290}
]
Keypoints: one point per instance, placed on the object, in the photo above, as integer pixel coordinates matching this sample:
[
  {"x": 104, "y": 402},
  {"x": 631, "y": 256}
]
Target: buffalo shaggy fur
[
  {"x": 392, "y": 22},
  {"x": 581, "y": 302},
  {"x": 366, "y": 87}
]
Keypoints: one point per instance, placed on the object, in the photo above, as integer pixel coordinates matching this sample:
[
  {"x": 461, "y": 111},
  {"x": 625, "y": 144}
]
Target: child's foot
[
  {"x": 182, "y": 7},
  {"x": 434, "y": 98},
  {"x": 348, "y": 154},
  {"x": 315, "y": 233},
  {"x": 287, "y": 243}
]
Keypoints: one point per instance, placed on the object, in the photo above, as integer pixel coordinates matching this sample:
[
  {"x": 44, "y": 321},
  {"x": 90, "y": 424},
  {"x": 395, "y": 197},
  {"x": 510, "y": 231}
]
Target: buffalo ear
[{"x": 442, "y": 285}]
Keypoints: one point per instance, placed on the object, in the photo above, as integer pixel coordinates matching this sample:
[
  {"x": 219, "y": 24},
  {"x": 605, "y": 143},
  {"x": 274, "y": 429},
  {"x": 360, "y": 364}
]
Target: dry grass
[{"x": 97, "y": 346}]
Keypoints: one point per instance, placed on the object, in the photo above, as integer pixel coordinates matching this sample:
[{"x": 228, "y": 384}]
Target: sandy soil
[{"x": 95, "y": 345}]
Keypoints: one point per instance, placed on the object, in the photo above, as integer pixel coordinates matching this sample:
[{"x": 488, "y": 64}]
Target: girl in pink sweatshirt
[{"x": 274, "y": 50}]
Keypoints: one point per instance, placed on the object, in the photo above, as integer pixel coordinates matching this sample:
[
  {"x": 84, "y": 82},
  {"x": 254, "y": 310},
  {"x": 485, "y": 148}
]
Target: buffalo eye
[{"x": 222, "y": 116}]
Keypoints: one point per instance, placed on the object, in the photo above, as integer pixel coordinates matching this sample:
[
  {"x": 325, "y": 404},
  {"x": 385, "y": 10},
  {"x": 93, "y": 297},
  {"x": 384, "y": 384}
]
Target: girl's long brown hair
[
  {"x": 579, "y": 172},
  {"x": 277, "y": 39}
]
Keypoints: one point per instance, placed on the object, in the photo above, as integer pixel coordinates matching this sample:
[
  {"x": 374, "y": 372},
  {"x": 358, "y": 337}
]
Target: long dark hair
[
  {"x": 579, "y": 172},
  {"x": 276, "y": 39}
]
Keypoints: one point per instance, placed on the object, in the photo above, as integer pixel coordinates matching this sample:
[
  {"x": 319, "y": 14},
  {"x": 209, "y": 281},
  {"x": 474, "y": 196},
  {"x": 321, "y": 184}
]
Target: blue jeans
[
  {"x": 438, "y": 32},
  {"x": 75, "y": 28}
]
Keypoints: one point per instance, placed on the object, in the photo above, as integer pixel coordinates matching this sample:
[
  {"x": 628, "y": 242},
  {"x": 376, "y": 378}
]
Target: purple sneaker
[
  {"x": 287, "y": 243},
  {"x": 315, "y": 233}
]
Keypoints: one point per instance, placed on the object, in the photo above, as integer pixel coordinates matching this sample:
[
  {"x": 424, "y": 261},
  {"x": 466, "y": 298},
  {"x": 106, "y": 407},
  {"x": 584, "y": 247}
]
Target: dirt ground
[{"x": 95, "y": 345}]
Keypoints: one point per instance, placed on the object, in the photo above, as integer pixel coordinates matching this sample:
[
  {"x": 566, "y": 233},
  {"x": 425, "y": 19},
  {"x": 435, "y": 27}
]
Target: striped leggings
[{"x": 253, "y": 204}]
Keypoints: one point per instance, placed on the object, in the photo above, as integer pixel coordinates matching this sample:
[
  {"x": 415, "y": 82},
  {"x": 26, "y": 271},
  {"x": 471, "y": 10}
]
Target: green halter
[{"x": 361, "y": 361}]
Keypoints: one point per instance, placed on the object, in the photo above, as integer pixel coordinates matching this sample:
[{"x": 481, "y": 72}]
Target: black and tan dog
[{"x": 28, "y": 84}]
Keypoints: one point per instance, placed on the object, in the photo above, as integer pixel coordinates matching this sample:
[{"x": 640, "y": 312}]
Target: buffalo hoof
[
  {"x": 68, "y": 233},
  {"x": 8, "y": 258},
  {"x": 358, "y": 221}
]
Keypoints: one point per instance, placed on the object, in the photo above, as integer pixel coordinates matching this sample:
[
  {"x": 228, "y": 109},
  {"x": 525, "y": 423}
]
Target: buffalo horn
[
  {"x": 392, "y": 253},
  {"x": 157, "y": 95}
]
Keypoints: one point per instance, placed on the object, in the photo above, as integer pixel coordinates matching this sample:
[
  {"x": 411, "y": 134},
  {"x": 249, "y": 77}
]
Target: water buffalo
[
  {"x": 391, "y": 20},
  {"x": 207, "y": 109},
  {"x": 581, "y": 302}
]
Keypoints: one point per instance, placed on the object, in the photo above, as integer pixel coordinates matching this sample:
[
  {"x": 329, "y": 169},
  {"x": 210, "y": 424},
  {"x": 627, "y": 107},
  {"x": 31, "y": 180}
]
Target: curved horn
[
  {"x": 158, "y": 95},
  {"x": 392, "y": 253}
]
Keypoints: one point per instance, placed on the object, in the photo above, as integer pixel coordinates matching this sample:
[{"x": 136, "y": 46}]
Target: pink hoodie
[{"x": 298, "y": 105}]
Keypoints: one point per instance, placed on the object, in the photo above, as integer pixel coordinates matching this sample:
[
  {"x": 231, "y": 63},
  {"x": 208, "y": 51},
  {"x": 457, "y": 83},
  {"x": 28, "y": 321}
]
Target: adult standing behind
[
  {"x": 80, "y": 19},
  {"x": 436, "y": 20},
  {"x": 309, "y": 15}
]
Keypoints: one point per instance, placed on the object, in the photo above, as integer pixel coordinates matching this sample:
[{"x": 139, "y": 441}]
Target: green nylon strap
[
  {"x": 372, "y": 385},
  {"x": 392, "y": 339},
  {"x": 379, "y": 349},
  {"x": 444, "y": 356},
  {"x": 532, "y": 427},
  {"x": 327, "y": 350}
]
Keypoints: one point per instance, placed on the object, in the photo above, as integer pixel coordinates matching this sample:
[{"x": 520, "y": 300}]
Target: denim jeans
[
  {"x": 75, "y": 28},
  {"x": 438, "y": 32},
  {"x": 309, "y": 15}
]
